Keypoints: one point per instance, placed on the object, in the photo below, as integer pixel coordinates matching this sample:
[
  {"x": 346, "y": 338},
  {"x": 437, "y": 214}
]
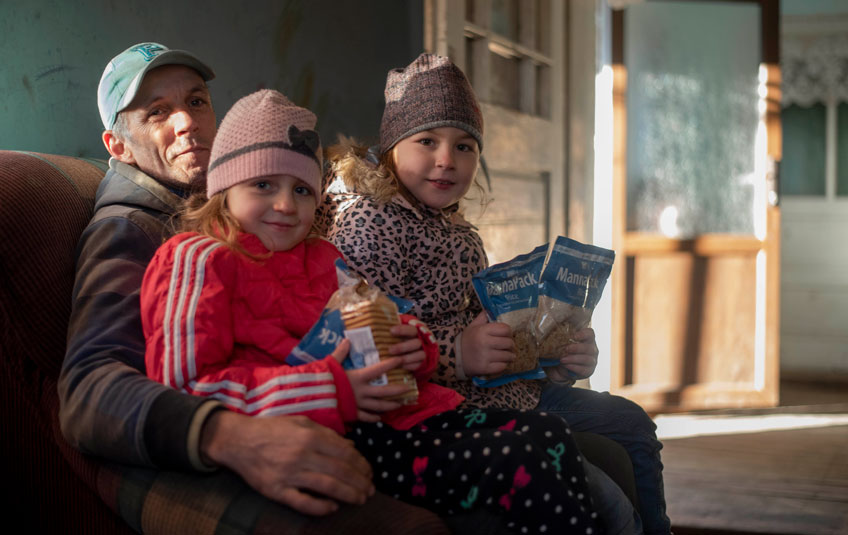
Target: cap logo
[{"x": 148, "y": 50}]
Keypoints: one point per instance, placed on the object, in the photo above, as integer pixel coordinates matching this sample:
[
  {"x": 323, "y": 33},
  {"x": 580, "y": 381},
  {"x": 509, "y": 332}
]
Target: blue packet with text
[
  {"x": 569, "y": 289},
  {"x": 509, "y": 293}
]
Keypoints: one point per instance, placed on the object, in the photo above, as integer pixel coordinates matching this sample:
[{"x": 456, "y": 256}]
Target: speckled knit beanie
[
  {"x": 265, "y": 134},
  {"x": 429, "y": 93}
]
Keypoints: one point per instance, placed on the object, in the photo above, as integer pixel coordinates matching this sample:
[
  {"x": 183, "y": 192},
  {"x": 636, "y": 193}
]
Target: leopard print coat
[{"x": 427, "y": 256}]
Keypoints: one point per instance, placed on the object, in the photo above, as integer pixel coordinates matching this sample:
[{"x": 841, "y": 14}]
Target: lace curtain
[{"x": 815, "y": 69}]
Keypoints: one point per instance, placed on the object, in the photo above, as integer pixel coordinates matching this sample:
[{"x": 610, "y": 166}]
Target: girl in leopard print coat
[{"x": 394, "y": 213}]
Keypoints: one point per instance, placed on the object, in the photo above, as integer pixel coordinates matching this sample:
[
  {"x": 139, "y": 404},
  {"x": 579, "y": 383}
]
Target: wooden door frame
[{"x": 629, "y": 244}]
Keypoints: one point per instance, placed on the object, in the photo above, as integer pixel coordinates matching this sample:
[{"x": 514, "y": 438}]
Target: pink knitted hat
[{"x": 265, "y": 134}]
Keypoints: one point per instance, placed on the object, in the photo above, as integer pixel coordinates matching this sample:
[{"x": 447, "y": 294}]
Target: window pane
[
  {"x": 543, "y": 27},
  {"x": 802, "y": 169},
  {"x": 469, "y": 11},
  {"x": 842, "y": 150},
  {"x": 691, "y": 116},
  {"x": 469, "y": 59},
  {"x": 504, "y": 81},
  {"x": 543, "y": 91},
  {"x": 505, "y": 18}
]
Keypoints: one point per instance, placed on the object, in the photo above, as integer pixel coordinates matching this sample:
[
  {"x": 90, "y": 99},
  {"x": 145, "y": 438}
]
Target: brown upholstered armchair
[{"x": 47, "y": 201}]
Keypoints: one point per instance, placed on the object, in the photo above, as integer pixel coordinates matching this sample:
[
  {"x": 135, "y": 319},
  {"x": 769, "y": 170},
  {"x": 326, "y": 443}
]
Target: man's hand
[
  {"x": 487, "y": 348},
  {"x": 288, "y": 459},
  {"x": 370, "y": 399},
  {"x": 581, "y": 355}
]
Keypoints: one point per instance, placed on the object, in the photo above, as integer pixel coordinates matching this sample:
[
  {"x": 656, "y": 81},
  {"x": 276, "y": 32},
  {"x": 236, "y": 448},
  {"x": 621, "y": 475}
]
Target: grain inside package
[
  {"x": 368, "y": 316},
  {"x": 570, "y": 287}
]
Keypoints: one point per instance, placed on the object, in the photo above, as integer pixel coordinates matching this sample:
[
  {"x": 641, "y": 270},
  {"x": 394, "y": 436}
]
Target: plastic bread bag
[
  {"x": 509, "y": 292},
  {"x": 364, "y": 315},
  {"x": 570, "y": 286}
]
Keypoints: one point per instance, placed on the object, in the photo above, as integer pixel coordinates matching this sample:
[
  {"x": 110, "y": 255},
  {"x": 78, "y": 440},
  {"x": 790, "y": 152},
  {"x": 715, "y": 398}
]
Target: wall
[{"x": 327, "y": 55}]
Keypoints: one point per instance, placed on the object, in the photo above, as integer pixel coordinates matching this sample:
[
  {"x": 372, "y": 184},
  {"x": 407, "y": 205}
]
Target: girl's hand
[
  {"x": 487, "y": 348},
  {"x": 410, "y": 349},
  {"x": 369, "y": 398},
  {"x": 581, "y": 355}
]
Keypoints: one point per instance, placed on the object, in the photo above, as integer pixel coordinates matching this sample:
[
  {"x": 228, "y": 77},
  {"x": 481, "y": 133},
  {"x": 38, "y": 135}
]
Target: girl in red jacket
[{"x": 224, "y": 304}]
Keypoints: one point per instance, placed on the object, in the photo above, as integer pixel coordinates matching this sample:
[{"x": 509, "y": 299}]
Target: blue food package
[
  {"x": 509, "y": 292},
  {"x": 328, "y": 332},
  {"x": 321, "y": 340},
  {"x": 569, "y": 289}
]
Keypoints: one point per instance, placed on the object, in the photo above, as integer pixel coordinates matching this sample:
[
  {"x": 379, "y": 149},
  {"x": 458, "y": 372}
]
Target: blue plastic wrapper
[
  {"x": 569, "y": 289},
  {"x": 509, "y": 292},
  {"x": 328, "y": 332}
]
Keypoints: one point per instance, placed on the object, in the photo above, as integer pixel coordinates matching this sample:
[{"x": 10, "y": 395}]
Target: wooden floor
[{"x": 781, "y": 482}]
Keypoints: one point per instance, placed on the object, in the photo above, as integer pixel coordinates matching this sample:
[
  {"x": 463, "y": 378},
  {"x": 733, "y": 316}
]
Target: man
[{"x": 159, "y": 126}]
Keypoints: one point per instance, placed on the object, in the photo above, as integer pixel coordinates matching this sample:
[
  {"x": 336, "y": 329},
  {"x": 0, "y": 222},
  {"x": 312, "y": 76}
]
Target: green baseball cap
[{"x": 123, "y": 75}]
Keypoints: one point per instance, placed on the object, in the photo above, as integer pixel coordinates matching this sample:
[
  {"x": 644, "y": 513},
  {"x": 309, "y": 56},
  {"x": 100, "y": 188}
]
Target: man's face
[{"x": 170, "y": 126}]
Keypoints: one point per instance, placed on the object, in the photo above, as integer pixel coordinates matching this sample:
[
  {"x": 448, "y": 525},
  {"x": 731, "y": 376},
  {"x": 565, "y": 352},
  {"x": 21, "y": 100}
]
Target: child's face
[
  {"x": 437, "y": 166},
  {"x": 278, "y": 209}
]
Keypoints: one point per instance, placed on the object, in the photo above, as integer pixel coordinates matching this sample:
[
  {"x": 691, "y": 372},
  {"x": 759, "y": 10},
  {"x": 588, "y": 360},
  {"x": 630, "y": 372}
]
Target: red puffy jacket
[{"x": 219, "y": 324}]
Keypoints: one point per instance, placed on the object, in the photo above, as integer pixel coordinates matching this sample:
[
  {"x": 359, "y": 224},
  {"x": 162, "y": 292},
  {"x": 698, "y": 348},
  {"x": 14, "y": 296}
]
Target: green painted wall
[
  {"x": 331, "y": 56},
  {"x": 813, "y": 7}
]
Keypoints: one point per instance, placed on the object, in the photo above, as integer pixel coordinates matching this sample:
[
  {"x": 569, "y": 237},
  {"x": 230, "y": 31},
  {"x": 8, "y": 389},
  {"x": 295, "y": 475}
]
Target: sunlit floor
[
  {"x": 683, "y": 425},
  {"x": 782, "y": 470}
]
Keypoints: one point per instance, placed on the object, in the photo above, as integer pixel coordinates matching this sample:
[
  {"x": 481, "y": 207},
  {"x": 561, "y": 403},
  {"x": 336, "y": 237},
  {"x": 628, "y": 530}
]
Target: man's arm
[{"x": 108, "y": 407}]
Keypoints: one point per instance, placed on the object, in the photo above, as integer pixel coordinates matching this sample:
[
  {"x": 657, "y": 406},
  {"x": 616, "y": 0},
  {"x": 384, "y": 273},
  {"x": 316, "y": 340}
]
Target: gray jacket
[{"x": 109, "y": 408}]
